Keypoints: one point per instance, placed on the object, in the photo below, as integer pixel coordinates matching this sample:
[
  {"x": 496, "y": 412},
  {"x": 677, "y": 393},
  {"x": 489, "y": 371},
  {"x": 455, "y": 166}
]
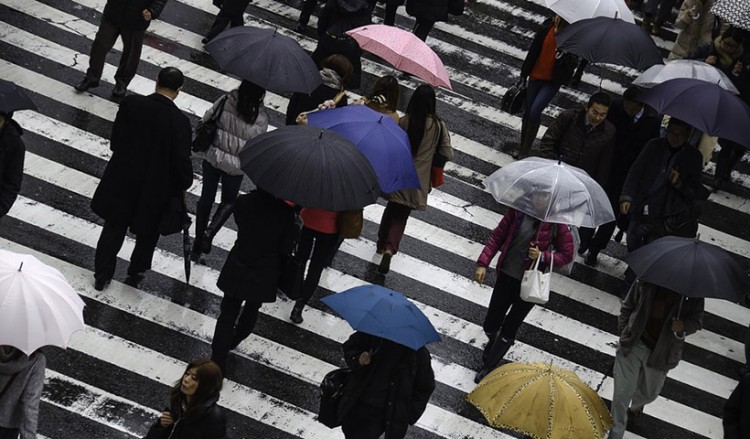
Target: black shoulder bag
[{"x": 205, "y": 132}]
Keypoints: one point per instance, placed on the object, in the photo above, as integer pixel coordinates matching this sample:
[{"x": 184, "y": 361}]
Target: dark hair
[
  {"x": 601, "y": 98},
  {"x": 632, "y": 93},
  {"x": 387, "y": 86},
  {"x": 209, "y": 385},
  {"x": 734, "y": 33},
  {"x": 421, "y": 105},
  {"x": 339, "y": 64},
  {"x": 249, "y": 99},
  {"x": 171, "y": 78},
  {"x": 673, "y": 121}
]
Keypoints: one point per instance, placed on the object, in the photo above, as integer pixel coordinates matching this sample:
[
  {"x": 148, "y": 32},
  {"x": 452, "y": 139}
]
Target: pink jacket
[{"x": 503, "y": 234}]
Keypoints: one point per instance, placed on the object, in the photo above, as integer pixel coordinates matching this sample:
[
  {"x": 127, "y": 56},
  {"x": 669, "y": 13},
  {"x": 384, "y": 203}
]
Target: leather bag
[{"x": 205, "y": 132}]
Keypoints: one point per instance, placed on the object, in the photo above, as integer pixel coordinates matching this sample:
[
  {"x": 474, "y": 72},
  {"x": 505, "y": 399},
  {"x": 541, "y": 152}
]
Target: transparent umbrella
[
  {"x": 551, "y": 191},
  {"x": 685, "y": 68}
]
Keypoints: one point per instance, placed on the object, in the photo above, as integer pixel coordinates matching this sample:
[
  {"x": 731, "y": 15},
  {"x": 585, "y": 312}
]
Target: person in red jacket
[{"x": 520, "y": 239}]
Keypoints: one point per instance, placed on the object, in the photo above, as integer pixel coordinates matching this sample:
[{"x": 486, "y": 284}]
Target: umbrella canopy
[
  {"x": 542, "y": 401},
  {"x": 551, "y": 191},
  {"x": 13, "y": 98},
  {"x": 37, "y": 305},
  {"x": 404, "y": 50},
  {"x": 690, "y": 267},
  {"x": 576, "y": 10},
  {"x": 267, "y": 58},
  {"x": 385, "y": 313},
  {"x": 312, "y": 167},
  {"x": 379, "y": 138},
  {"x": 685, "y": 68},
  {"x": 734, "y": 12},
  {"x": 703, "y": 105},
  {"x": 609, "y": 40}
]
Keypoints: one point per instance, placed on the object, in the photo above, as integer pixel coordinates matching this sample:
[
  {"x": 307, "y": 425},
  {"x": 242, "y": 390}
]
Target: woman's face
[
  {"x": 729, "y": 44},
  {"x": 189, "y": 382}
]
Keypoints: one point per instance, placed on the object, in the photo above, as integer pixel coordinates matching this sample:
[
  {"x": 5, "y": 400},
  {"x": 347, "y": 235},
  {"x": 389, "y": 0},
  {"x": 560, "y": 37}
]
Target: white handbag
[{"x": 535, "y": 284}]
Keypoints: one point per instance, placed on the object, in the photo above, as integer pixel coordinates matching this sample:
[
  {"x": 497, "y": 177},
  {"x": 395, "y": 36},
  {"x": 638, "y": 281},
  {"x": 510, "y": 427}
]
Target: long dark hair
[
  {"x": 209, "y": 380},
  {"x": 421, "y": 105},
  {"x": 249, "y": 99}
]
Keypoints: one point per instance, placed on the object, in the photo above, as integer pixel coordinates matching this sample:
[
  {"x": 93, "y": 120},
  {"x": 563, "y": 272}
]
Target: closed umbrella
[
  {"x": 13, "y": 98},
  {"x": 575, "y": 10},
  {"x": 551, "y": 191},
  {"x": 263, "y": 56},
  {"x": 542, "y": 401},
  {"x": 312, "y": 167},
  {"x": 734, "y": 12},
  {"x": 38, "y": 307},
  {"x": 685, "y": 68},
  {"x": 379, "y": 138}
]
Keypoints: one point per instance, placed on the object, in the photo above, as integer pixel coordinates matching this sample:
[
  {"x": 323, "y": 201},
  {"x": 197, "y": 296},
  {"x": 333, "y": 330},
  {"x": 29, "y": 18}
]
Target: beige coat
[
  {"x": 693, "y": 33},
  {"x": 436, "y": 139}
]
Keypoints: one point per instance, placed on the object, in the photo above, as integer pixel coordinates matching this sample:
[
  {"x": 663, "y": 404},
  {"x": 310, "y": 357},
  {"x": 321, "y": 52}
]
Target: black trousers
[
  {"x": 323, "y": 247},
  {"x": 506, "y": 295},
  {"x": 595, "y": 240},
  {"x": 235, "y": 323},
  {"x": 106, "y": 36},
  {"x": 231, "y": 14},
  {"x": 308, "y": 7},
  {"x": 110, "y": 243},
  {"x": 366, "y": 422},
  {"x": 9, "y": 433},
  {"x": 422, "y": 28}
]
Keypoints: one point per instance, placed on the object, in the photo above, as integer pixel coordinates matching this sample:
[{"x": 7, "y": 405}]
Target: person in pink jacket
[{"x": 520, "y": 239}]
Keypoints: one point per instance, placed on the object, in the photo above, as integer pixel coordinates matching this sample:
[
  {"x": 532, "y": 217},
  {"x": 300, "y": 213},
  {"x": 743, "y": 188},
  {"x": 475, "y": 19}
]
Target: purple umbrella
[{"x": 703, "y": 105}]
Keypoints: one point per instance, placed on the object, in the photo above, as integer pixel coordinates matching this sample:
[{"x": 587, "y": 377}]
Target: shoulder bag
[
  {"x": 205, "y": 132},
  {"x": 331, "y": 389},
  {"x": 535, "y": 285},
  {"x": 514, "y": 98}
]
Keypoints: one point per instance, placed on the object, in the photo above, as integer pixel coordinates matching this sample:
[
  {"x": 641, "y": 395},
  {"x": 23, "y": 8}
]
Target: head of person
[
  {"x": 169, "y": 82},
  {"x": 678, "y": 133},
  {"x": 421, "y": 106},
  {"x": 387, "y": 87},
  {"x": 598, "y": 107},
  {"x": 731, "y": 40},
  {"x": 201, "y": 382},
  {"x": 631, "y": 101},
  {"x": 249, "y": 100},
  {"x": 341, "y": 65}
]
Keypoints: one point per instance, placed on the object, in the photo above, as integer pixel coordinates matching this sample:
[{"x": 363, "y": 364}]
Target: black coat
[
  {"x": 206, "y": 422},
  {"x": 565, "y": 63},
  {"x": 265, "y": 232},
  {"x": 128, "y": 14},
  {"x": 300, "y": 102},
  {"x": 12, "y": 153},
  {"x": 398, "y": 379},
  {"x": 428, "y": 10},
  {"x": 737, "y": 411},
  {"x": 150, "y": 162}
]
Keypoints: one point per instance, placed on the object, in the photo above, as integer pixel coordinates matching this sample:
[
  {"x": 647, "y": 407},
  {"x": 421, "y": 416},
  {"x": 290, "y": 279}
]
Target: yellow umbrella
[{"x": 541, "y": 401}]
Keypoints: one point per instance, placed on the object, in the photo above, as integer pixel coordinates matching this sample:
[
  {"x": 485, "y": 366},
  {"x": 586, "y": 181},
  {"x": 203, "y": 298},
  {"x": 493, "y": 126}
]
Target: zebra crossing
[{"x": 113, "y": 380}]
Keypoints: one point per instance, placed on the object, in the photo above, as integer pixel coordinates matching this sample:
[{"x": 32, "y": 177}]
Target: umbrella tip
[
  {"x": 381, "y": 119},
  {"x": 21, "y": 266}
]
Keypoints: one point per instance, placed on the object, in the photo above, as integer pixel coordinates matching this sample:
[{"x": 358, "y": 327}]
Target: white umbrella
[
  {"x": 551, "y": 191},
  {"x": 685, "y": 68},
  {"x": 574, "y": 10},
  {"x": 37, "y": 305}
]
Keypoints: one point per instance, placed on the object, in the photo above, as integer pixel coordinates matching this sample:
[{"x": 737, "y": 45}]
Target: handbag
[
  {"x": 331, "y": 389},
  {"x": 535, "y": 285},
  {"x": 205, "y": 132},
  {"x": 292, "y": 268},
  {"x": 175, "y": 216},
  {"x": 514, "y": 98},
  {"x": 302, "y": 117},
  {"x": 349, "y": 223}
]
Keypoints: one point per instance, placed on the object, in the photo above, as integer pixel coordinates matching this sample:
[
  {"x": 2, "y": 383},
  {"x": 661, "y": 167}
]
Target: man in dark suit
[
  {"x": 150, "y": 163},
  {"x": 127, "y": 19}
]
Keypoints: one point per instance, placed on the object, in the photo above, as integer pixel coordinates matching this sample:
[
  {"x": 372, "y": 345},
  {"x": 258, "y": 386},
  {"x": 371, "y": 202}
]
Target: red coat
[{"x": 503, "y": 234}]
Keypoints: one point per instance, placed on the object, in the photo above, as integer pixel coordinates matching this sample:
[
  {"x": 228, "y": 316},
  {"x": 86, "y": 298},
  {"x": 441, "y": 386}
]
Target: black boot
[
  {"x": 220, "y": 217},
  {"x": 499, "y": 349},
  {"x": 527, "y": 142},
  {"x": 296, "y": 316},
  {"x": 491, "y": 337},
  {"x": 201, "y": 222}
]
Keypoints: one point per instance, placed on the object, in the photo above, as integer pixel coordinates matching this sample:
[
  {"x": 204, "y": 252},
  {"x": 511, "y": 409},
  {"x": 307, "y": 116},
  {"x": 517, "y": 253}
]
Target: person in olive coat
[
  {"x": 265, "y": 233},
  {"x": 12, "y": 153}
]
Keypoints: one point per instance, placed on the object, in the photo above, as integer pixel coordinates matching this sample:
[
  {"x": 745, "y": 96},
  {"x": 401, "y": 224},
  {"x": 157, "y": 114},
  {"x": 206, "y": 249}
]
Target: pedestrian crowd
[{"x": 649, "y": 167}]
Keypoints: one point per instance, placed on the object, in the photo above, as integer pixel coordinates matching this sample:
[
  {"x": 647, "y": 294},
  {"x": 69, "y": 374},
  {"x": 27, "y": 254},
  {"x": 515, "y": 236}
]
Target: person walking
[
  {"x": 250, "y": 275},
  {"x": 243, "y": 117},
  {"x": 231, "y": 13},
  {"x": 521, "y": 240},
  {"x": 388, "y": 389},
  {"x": 428, "y": 136},
  {"x": 426, "y": 13},
  {"x": 695, "y": 23},
  {"x": 12, "y": 155},
  {"x": 736, "y": 420},
  {"x": 308, "y": 7},
  {"x": 544, "y": 70},
  {"x": 128, "y": 20},
  {"x": 21, "y": 382},
  {"x": 150, "y": 164},
  {"x": 723, "y": 52},
  {"x": 335, "y": 72},
  {"x": 653, "y": 324},
  {"x": 657, "y": 12},
  {"x": 193, "y": 412}
]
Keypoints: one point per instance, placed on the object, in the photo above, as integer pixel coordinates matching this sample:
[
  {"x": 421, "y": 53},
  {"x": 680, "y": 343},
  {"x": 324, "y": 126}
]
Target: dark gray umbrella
[
  {"x": 312, "y": 167},
  {"x": 610, "y": 41},
  {"x": 13, "y": 98},
  {"x": 704, "y": 105},
  {"x": 690, "y": 267},
  {"x": 271, "y": 60}
]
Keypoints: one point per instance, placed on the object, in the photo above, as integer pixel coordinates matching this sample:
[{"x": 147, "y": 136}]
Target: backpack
[{"x": 566, "y": 269}]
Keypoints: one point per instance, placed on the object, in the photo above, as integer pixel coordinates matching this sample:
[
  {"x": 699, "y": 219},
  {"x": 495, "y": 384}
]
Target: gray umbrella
[
  {"x": 271, "y": 60},
  {"x": 313, "y": 167}
]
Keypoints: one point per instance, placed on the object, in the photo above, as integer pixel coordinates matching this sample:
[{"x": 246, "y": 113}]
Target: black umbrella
[
  {"x": 690, "y": 267},
  {"x": 312, "y": 167},
  {"x": 611, "y": 41},
  {"x": 271, "y": 60},
  {"x": 13, "y": 98}
]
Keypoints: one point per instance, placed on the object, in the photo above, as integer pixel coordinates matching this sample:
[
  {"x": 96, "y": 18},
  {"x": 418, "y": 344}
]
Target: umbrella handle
[{"x": 679, "y": 311}]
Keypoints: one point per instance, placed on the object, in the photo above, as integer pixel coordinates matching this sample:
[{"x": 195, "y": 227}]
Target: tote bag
[{"x": 535, "y": 284}]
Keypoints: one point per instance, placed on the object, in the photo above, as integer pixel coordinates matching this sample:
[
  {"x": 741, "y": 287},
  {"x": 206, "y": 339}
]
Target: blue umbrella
[
  {"x": 379, "y": 138},
  {"x": 384, "y": 313}
]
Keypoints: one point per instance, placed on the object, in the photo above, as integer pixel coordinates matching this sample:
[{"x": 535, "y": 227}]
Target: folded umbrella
[
  {"x": 734, "y": 12},
  {"x": 684, "y": 68},
  {"x": 379, "y": 138},
  {"x": 385, "y": 313},
  {"x": 576, "y": 10},
  {"x": 13, "y": 98}
]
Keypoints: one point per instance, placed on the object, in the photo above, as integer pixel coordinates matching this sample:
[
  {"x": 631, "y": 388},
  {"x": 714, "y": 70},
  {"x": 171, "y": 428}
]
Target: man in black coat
[
  {"x": 12, "y": 154},
  {"x": 129, "y": 20},
  {"x": 150, "y": 164},
  {"x": 231, "y": 14}
]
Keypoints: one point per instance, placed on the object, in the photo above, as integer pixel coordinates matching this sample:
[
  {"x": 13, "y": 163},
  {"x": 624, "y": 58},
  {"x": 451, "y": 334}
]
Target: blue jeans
[{"x": 538, "y": 95}]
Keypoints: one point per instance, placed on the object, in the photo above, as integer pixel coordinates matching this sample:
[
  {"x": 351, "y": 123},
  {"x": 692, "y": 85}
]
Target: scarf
[
  {"x": 726, "y": 59},
  {"x": 331, "y": 78}
]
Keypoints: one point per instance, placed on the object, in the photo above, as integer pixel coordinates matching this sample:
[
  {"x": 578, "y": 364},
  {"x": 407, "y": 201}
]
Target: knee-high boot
[
  {"x": 527, "y": 140},
  {"x": 220, "y": 217},
  {"x": 201, "y": 222}
]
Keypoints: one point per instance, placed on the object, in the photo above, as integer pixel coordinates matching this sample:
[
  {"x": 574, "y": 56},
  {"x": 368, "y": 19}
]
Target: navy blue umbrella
[
  {"x": 381, "y": 140},
  {"x": 384, "y": 313}
]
